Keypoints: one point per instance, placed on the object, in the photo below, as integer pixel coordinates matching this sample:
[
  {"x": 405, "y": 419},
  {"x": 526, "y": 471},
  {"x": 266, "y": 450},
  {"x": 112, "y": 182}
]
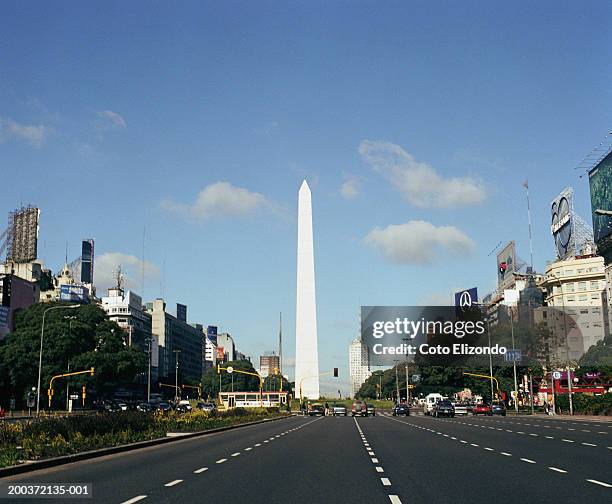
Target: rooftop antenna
[
  {"x": 526, "y": 186},
  {"x": 142, "y": 282},
  {"x": 280, "y": 343}
]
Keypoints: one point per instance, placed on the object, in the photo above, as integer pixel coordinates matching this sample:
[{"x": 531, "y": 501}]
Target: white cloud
[
  {"x": 418, "y": 242},
  {"x": 105, "y": 271},
  {"x": 418, "y": 182},
  {"x": 35, "y": 135},
  {"x": 350, "y": 188},
  {"x": 107, "y": 120},
  {"x": 220, "y": 199}
]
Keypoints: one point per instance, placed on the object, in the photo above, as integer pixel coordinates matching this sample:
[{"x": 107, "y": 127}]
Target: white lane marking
[
  {"x": 248, "y": 449},
  {"x": 556, "y": 469},
  {"x": 220, "y": 461},
  {"x": 136, "y": 499},
  {"x": 506, "y": 454},
  {"x": 520, "y": 432},
  {"x": 488, "y": 449},
  {"x": 607, "y": 485},
  {"x": 508, "y": 430},
  {"x": 200, "y": 470},
  {"x": 534, "y": 435},
  {"x": 567, "y": 440},
  {"x": 172, "y": 483},
  {"x": 549, "y": 437},
  {"x": 529, "y": 461},
  {"x": 266, "y": 441},
  {"x": 585, "y": 430},
  {"x": 385, "y": 481},
  {"x": 602, "y": 433},
  {"x": 395, "y": 499},
  {"x": 379, "y": 469},
  {"x": 474, "y": 444},
  {"x": 375, "y": 461},
  {"x": 463, "y": 441},
  {"x": 588, "y": 444},
  {"x": 235, "y": 454},
  {"x": 453, "y": 437},
  {"x": 258, "y": 444}
]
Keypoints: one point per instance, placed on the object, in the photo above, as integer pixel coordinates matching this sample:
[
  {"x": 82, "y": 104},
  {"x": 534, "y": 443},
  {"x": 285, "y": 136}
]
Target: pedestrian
[{"x": 326, "y": 409}]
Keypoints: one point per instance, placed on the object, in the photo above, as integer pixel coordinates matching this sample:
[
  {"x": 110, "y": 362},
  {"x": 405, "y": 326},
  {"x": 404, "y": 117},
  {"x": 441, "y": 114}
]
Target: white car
[
  {"x": 460, "y": 408},
  {"x": 430, "y": 401}
]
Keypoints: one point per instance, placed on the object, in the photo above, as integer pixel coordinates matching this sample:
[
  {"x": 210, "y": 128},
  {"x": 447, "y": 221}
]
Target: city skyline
[{"x": 201, "y": 158}]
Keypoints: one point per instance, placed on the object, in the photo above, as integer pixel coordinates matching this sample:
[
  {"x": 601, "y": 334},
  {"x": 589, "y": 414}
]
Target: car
[
  {"x": 209, "y": 407},
  {"x": 481, "y": 409},
  {"x": 370, "y": 409},
  {"x": 339, "y": 410},
  {"x": 122, "y": 405},
  {"x": 145, "y": 407},
  {"x": 110, "y": 406},
  {"x": 401, "y": 409},
  {"x": 443, "y": 408},
  {"x": 498, "y": 408},
  {"x": 430, "y": 402},
  {"x": 184, "y": 406},
  {"x": 316, "y": 409},
  {"x": 359, "y": 408},
  {"x": 460, "y": 408},
  {"x": 164, "y": 407}
]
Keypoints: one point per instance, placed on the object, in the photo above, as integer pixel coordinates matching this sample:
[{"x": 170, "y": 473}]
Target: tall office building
[
  {"x": 306, "y": 352},
  {"x": 359, "y": 365}
]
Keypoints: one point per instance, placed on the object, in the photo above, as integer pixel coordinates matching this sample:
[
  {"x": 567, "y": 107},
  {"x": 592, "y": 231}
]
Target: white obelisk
[{"x": 306, "y": 352}]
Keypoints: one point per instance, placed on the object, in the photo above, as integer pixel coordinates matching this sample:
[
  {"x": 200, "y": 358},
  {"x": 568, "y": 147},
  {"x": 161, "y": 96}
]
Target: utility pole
[
  {"x": 514, "y": 360},
  {"x": 526, "y": 186},
  {"x": 406, "y": 368},
  {"x": 176, "y": 353},
  {"x": 397, "y": 383}
]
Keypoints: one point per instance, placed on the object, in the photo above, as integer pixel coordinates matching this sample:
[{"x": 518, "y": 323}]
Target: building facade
[
  {"x": 15, "y": 294},
  {"x": 269, "y": 363},
  {"x": 359, "y": 365},
  {"x": 576, "y": 312},
  {"x": 173, "y": 335}
]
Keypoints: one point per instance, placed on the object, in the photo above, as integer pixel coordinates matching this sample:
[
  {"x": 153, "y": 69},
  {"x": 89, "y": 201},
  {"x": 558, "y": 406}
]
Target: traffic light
[{"x": 335, "y": 372}]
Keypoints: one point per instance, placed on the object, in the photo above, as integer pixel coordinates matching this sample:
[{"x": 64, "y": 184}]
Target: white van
[{"x": 430, "y": 400}]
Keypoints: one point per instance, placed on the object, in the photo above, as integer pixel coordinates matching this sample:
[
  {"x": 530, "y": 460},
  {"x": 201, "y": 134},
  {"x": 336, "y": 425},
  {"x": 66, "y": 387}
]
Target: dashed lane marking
[
  {"x": 556, "y": 469},
  {"x": 200, "y": 470},
  {"x": 385, "y": 481},
  {"x": 601, "y": 483},
  {"x": 172, "y": 483},
  {"x": 139, "y": 498}
]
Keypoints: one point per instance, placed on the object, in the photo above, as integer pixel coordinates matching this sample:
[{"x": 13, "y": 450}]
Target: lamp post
[
  {"x": 397, "y": 383},
  {"x": 176, "y": 353},
  {"x": 71, "y": 320},
  {"x": 569, "y": 379},
  {"x": 149, "y": 370},
  {"x": 514, "y": 361},
  {"x": 42, "y": 335}
]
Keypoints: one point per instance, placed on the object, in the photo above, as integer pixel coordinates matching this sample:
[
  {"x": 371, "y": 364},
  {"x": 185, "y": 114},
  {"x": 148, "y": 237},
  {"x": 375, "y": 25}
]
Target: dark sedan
[
  {"x": 498, "y": 408},
  {"x": 401, "y": 409},
  {"x": 443, "y": 408}
]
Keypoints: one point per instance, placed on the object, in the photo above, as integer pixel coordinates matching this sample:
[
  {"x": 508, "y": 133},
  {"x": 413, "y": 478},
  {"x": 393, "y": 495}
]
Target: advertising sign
[
  {"x": 74, "y": 293},
  {"x": 220, "y": 353},
  {"x": 4, "y": 316},
  {"x": 513, "y": 354},
  {"x": 506, "y": 265},
  {"x": 600, "y": 183},
  {"x": 561, "y": 225},
  {"x": 466, "y": 298},
  {"x": 211, "y": 332}
]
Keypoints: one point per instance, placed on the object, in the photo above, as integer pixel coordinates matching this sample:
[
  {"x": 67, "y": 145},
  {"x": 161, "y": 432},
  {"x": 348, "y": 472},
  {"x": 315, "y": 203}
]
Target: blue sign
[
  {"x": 513, "y": 354},
  {"x": 211, "y": 332},
  {"x": 4, "y": 316},
  {"x": 74, "y": 293},
  {"x": 466, "y": 298}
]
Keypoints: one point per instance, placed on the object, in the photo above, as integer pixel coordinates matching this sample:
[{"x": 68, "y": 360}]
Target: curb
[{"x": 75, "y": 457}]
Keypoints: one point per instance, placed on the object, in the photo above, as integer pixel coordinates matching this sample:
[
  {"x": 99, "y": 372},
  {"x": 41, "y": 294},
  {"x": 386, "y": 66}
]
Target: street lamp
[
  {"x": 176, "y": 353},
  {"x": 42, "y": 335}
]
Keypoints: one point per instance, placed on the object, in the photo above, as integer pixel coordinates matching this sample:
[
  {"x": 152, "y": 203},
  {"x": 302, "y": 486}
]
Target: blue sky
[{"x": 198, "y": 122}]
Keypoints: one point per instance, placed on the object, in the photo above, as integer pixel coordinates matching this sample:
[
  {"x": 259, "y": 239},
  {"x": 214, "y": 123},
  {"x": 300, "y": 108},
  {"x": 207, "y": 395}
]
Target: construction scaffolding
[{"x": 22, "y": 235}]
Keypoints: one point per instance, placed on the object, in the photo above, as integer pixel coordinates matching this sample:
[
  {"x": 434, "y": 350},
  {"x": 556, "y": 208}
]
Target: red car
[{"x": 481, "y": 409}]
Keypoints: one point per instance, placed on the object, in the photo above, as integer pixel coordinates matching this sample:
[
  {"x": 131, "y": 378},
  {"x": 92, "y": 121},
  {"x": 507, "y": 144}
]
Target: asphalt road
[{"x": 376, "y": 459}]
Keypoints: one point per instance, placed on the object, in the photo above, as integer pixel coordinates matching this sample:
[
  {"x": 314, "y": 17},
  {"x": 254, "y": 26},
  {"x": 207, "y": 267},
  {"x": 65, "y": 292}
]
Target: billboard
[
  {"x": 74, "y": 293},
  {"x": 23, "y": 235},
  {"x": 211, "y": 332},
  {"x": 181, "y": 312},
  {"x": 561, "y": 225},
  {"x": 220, "y": 353},
  {"x": 600, "y": 183},
  {"x": 466, "y": 298},
  {"x": 87, "y": 261},
  {"x": 506, "y": 266}
]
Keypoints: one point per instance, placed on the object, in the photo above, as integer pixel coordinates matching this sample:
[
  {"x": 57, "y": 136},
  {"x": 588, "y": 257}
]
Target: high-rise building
[
  {"x": 15, "y": 294},
  {"x": 306, "y": 351},
  {"x": 173, "y": 334},
  {"x": 359, "y": 365},
  {"x": 576, "y": 306},
  {"x": 269, "y": 363},
  {"x": 226, "y": 346}
]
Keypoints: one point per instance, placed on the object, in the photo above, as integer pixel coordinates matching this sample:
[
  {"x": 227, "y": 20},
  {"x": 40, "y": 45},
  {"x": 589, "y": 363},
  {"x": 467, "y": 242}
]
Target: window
[
  {"x": 571, "y": 299},
  {"x": 581, "y": 286},
  {"x": 569, "y": 287},
  {"x": 582, "y": 297},
  {"x": 594, "y": 284}
]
